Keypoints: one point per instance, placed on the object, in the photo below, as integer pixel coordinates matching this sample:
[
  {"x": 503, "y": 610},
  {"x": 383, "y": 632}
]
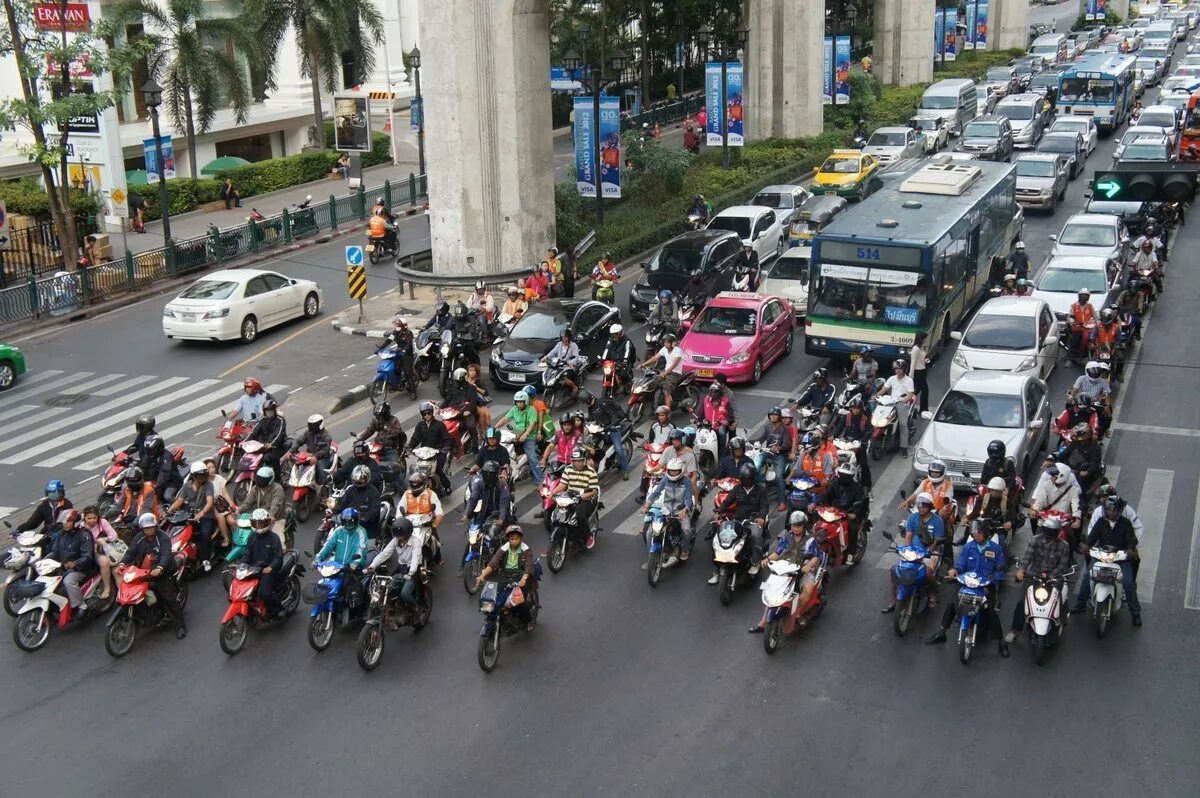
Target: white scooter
[
  {"x": 21, "y": 560},
  {"x": 516, "y": 455},
  {"x": 885, "y": 421},
  {"x": 425, "y": 459},
  {"x": 1108, "y": 589},
  {"x": 1044, "y": 616},
  {"x": 705, "y": 447},
  {"x": 847, "y": 454},
  {"x": 46, "y": 605}
]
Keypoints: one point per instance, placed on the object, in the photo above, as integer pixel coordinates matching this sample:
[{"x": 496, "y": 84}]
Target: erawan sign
[{"x": 51, "y": 16}]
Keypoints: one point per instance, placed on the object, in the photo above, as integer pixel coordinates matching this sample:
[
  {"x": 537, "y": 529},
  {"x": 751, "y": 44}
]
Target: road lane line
[
  {"x": 1154, "y": 430},
  {"x": 273, "y": 347},
  {"x": 65, "y": 379},
  {"x": 129, "y": 384},
  {"x": 33, "y": 379},
  {"x": 1152, "y": 507},
  {"x": 1191, "y": 596},
  {"x": 5, "y": 512}
]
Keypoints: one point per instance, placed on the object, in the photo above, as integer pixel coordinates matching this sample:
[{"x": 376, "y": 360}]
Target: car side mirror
[
  {"x": 643, "y": 264},
  {"x": 1051, "y": 340},
  {"x": 956, "y": 335},
  {"x": 1054, "y": 237},
  {"x": 927, "y": 415},
  {"x": 1037, "y": 423}
]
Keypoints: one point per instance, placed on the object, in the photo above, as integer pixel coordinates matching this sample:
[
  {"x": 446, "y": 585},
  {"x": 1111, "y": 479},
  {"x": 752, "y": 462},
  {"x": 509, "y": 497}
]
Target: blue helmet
[
  {"x": 665, "y": 295},
  {"x": 530, "y": 390},
  {"x": 56, "y": 486},
  {"x": 349, "y": 516}
]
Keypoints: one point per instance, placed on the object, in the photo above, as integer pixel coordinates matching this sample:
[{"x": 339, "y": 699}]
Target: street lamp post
[
  {"x": 415, "y": 59},
  {"x": 152, "y": 97},
  {"x": 723, "y": 49},
  {"x": 617, "y": 62}
]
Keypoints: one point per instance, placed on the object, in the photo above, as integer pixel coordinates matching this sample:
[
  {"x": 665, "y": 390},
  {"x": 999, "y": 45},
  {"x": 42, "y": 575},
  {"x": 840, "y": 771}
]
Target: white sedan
[
  {"x": 1083, "y": 125},
  {"x": 238, "y": 303}
]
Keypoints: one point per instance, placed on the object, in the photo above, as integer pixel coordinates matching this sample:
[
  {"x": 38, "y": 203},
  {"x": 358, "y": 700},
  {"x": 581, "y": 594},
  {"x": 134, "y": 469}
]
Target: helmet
[
  {"x": 662, "y": 409},
  {"x": 514, "y": 529},
  {"x": 937, "y": 472},
  {"x": 997, "y": 483},
  {"x": 616, "y": 329},
  {"x": 492, "y": 434},
  {"x": 480, "y": 285},
  {"x": 1107, "y": 489},
  {"x": 924, "y": 498},
  {"x": 676, "y": 434},
  {"x": 1083, "y": 400},
  {"x": 1022, "y": 282},
  {"x": 665, "y": 295},
  {"x": 71, "y": 515},
  {"x": 669, "y": 338},
  {"x": 491, "y": 470},
  {"x": 260, "y": 520},
  {"x": 270, "y": 404},
  {"x": 349, "y": 516},
  {"x": 198, "y": 470},
  {"x": 134, "y": 478},
  {"x": 530, "y": 391},
  {"x": 1107, "y": 315},
  {"x": 360, "y": 475},
  {"x": 821, "y": 374},
  {"x": 1020, "y": 245},
  {"x": 1114, "y": 502},
  {"x": 978, "y": 528},
  {"x": 1059, "y": 473},
  {"x": 460, "y": 374},
  {"x": 606, "y": 256},
  {"x": 865, "y": 352},
  {"x": 810, "y": 441},
  {"x": 361, "y": 447},
  {"x": 460, "y": 311},
  {"x": 428, "y": 407},
  {"x": 675, "y": 470},
  {"x": 747, "y": 475},
  {"x": 1082, "y": 430},
  {"x": 797, "y": 517},
  {"x": 845, "y": 470},
  {"x": 996, "y": 449},
  {"x": 379, "y": 200},
  {"x": 1010, "y": 278},
  {"x": 514, "y": 291},
  {"x": 266, "y": 474},
  {"x": 254, "y": 385},
  {"x": 1147, "y": 243},
  {"x": 586, "y": 397},
  {"x": 1093, "y": 369},
  {"x": 578, "y": 415},
  {"x": 402, "y": 528},
  {"x": 565, "y": 420},
  {"x": 416, "y": 481},
  {"x": 382, "y": 410},
  {"x": 1050, "y": 524},
  {"x": 774, "y": 411},
  {"x": 315, "y": 421},
  {"x": 443, "y": 309},
  {"x": 146, "y": 423},
  {"x": 1084, "y": 292},
  {"x": 787, "y": 413},
  {"x": 737, "y": 443},
  {"x": 146, "y": 520},
  {"x": 855, "y": 402},
  {"x": 577, "y": 454},
  {"x": 56, "y": 486},
  {"x": 714, "y": 389},
  {"x": 155, "y": 444},
  {"x": 520, "y": 396},
  {"x": 400, "y": 323}
]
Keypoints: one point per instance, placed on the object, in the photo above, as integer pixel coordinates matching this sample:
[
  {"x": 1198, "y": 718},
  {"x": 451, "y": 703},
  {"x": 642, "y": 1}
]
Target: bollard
[
  {"x": 129, "y": 275},
  {"x": 34, "y": 306},
  {"x": 333, "y": 211},
  {"x": 214, "y": 240},
  {"x": 412, "y": 189},
  {"x": 287, "y": 227}
]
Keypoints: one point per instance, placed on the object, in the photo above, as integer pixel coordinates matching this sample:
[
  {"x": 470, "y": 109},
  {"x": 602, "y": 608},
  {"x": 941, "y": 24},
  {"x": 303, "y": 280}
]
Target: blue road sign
[{"x": 354, "y": 255}]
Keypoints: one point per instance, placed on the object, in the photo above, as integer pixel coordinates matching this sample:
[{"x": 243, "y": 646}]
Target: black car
[
  {"x": 696, "y": 262},
  {"x": 514, "y": 361},
  {"x": 989, "y": 138}
]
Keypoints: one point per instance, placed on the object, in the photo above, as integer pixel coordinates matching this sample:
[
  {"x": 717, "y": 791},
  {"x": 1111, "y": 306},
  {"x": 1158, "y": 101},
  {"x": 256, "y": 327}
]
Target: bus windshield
[
  {"x": 1087, "y": 90},
  {"x": 888, "y": 295}
]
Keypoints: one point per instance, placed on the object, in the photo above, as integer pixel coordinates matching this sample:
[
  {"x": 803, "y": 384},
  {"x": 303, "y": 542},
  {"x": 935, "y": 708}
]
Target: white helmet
[
  {"x": 147, "y": 520},
  {"x": 1061, "y": 473},
  {"x": 616, "y": 329},
  {"x": 846, "y": 469},
  {"x": 997, "y": 483},
  {"x": 924, "y": 498},
  {"x": 675, "y": 469},
  {"x": 316, "y": 418},
  {"x": 480, "y": 285},
  {"x": 198, "y": 468}
]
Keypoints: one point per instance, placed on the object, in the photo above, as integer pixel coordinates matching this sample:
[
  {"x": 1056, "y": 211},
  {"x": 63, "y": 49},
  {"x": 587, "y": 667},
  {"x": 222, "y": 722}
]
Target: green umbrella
[
  {"x": 224, "y": 162},
  {"x": 137, "y": 177}
]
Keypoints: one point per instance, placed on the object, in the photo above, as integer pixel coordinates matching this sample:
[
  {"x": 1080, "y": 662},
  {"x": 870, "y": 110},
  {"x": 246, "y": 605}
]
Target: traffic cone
[{"x": 387, "y": 126}]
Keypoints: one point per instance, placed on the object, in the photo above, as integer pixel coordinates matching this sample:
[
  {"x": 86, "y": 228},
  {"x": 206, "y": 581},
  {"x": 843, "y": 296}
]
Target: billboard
[
  {"x": 841, "y": 72},
  {"x": 951, "y": 27},
  {"x": 50, "y": 16},
  {"x": 585, "y": 147},
  {"x": 735, "y": 103},
  {"x": 351, "y": 123},
  {"x": 168, "y": 151}
]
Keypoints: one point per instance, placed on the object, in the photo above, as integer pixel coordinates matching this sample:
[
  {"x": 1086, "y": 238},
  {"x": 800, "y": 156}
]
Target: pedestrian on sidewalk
[
  {"x": 691, "y": 142},
  {"x": 919, "y": 362},
  {"x": 342, "y": 167},
  {"x": 230, "y": 194},
  {"x": 702, "y": 119},
  {"x": 137, "y": 212}
]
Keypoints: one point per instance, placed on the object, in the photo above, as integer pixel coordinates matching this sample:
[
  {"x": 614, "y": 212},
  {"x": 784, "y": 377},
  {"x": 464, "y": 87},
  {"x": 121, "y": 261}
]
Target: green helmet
[{"x": 520, "y": 396}]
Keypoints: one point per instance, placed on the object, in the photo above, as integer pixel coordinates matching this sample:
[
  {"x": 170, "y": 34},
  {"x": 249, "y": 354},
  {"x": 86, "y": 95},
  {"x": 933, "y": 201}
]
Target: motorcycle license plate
[
  {"x": 516, "y": 377},
  {"x": 370, "y": 247},
  {"x": 704, "y": 372},
  {"x": 855, "y": 356}
]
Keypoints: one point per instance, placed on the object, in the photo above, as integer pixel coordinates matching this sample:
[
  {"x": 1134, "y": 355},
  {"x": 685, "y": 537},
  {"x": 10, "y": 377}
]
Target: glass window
[
  {"x": 980, "y": 410},
  {"x": 982, "y": 130},
  {"x": 540, "y": 325},
  {"x": 723, "y": 251},
  {"x": 1045, "y": 324},
  {"x": 889, "y": 139},
  {"x": 941, "y": 102},
  {"x": 737, "y": 224},
  {"x": 1069, "y": 281},
  {"x": 885, "y": 295},
  {"x": 1098, "y": 90},
  {"x": 990, "y": 331},
  {"x": 209, "y": 289},
  {"x": 1018, "y": 111},
  {"x": 790, "y": 269},
  {"x": 588, "y": 317},
  {"x": 275, "y": 282},
  {"x": 1031, "y": 168},
  {"x": 1088, "y": 235},
  {"x": 675, "y": 261},
  {"x": 840, "y": 166},
  {"x": 771, "y": 313},
  {"x": 726, "y": 321},
  {"x": 772, "y": 199},
  {"x": 999, "y": 74},
  {"x": 256, "y": 286}
]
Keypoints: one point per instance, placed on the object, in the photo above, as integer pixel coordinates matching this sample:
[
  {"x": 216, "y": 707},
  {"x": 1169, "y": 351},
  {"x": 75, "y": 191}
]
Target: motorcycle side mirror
[
  {"x": 888, "y": 535},
  {"x": 927, "y": 415},
  {"x": 900, "y": 495},
  {"x": 1051, "y": 339}
]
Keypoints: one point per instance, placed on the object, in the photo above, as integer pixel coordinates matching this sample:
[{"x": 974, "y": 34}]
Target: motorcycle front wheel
[
  {"x": 654, "y": 568},
  {"x": 233, "y": 634},
  {"x": 471, "y": 572},
  {"x": 320, "y": 630},
  {"x": 1103, "y": 616},
  {"x": 902, "y": 617},
  {"x": 637, "y": 412},
  {"x": 118, "y": 639},
  {"x": 1037, "y": 649},
  {"x": 422, "y": 370},
  {"x": 726, "y": 593},
  {"x": 370, "y": 646},
  {"x": 772, "y": 636},
  {"x": 875, "y": 448},
  {"x": 32, "y": 630},
  {"x": 291, "y": 598},
  {"x": 379, "y": 391},
  {"x": 304, "y": 508},
  {"x": 489, "y": 649},
  {"x": 558, "y": 553},
  {"x": 11, "y": 603},
  {"x": 966, "y": 646}
]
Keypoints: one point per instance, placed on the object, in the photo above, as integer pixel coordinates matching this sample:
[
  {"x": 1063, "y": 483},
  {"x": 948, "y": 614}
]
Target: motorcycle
[
  {"x": 910, "y": 576},
  {"x": 564, "y": 529},
  {"x": 602, "y": 291},
  {"x": 303, "y": 218},
  {"x": 462, "y": 428},
  {"x": 501, "y": 620},
  {"x": 482, "y": 541},
  {"x": 328, "y": 522},
  {"x": 427, "y": 353},
  {"x": 832, "y": 529},
  {"x": 453, "y": 355},
  {"x": 696, "y": 222},
  {"x": 247, "y": 608},
  {"x": 389, "y": 376},
  {"x": 45, "y": 600},
  {"x": 599, "y": 443},
  {"x": 387, "y": 610},
  {"x": 731, "y": 557},
  {"x": 380, "y": 247},
  {"x": 686, "y": 396},
  {"x": 689, "y": 308},
  {"x": 852, "y": 388},
  {"x": 970, "y": 606},
  {"x": 1045, "y": 619},
  {"x": 254, "y": 453},
  {"x": 785, "y": 614},
  {"x": 706, "y": 448},
  {"x": 551, "y": 479},
  {"x": 847, "y": 454},
  {"x": 307, "y": 495},
  {"x": 612, "y": 383},
  {"x": 516, "y": 454},
  {"x": 503, "y": 326},
  {"x": 807, "y": 419},
  {"x": 113, "y": 480},
  {"x": 231, "y": 435},
  {"x": 426, "y": 461},
  {"x": 332, "y": 602},
  {"x": 556, "y": 393},
  {"x": 764, "y": 462},
  {"x": 663, "y": 533},
  {"x": 885, "y": 433},
  {"x": 656, "y": 332},
  {"x": 742, "y": 280},
  {"x": 654, "y": 466},
  {"x": 802, "y": 491},
  {"x": 182, "y": 530},
  {"x": 1108, "y": 588},
  {"x": 138, "y": 607},
  {"x": 21, "y": 559}
]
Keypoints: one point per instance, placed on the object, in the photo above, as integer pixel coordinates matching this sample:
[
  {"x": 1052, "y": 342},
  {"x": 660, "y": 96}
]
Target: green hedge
[
  {"x": 974, "y": 63},
  {"x": 27, "y": 198},
  {"x": 280, "y": 173},
  {"x": 183, "y": 194}
]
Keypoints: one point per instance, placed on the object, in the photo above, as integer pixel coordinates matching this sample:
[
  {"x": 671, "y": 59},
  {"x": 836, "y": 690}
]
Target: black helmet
[
  {"x": 821, "y": 374},
  {"x": 996, "y": 449},
  {"x": 460, "y": 311},
  {"x": 134, "y": 478},
  {"x": 155, "y": 444},
  {"x": 491, "y": 470},
  {"x": 270, "y": 404},
  {"x": 747, "y": 475},
  {"x": 402, "y": 528},
  {"x": 1083, "y": 400},
  {"x": 1107, "y": 315},
  {"x": 565, "y": 420},
  {"x": 443, "y": 309},
  {"x": 382, "y": 410},
  {"x": 416, "y": 482},
  {"x": 361, "y": 447},
  {"x": 586, "y": 397},
  {"x": 737, "y": 443},
  {"x": 144, "y": 424}
]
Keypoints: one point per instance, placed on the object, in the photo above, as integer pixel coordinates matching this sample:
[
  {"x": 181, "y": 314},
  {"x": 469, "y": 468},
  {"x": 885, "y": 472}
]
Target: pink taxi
[{"x": 739, "y": 335}]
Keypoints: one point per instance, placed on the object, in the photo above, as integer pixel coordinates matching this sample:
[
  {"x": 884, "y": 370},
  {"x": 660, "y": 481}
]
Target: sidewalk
[{"x": 378, "y": 311}]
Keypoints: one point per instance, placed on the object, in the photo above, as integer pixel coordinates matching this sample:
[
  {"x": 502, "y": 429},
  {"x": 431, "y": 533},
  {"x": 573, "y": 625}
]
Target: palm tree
[
  {"x": 324, "y": 30},
  {"x": 189, "y": 59}
]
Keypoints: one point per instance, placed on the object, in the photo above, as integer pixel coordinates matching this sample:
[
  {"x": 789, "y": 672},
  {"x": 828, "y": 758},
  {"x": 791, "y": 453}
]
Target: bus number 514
[{"x": 868, "y": 253}]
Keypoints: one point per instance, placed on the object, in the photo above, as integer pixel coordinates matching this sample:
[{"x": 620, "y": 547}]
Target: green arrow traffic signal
[
  {"x": 1110, "y": 188},
  {"x": 1147, "y": 182}
]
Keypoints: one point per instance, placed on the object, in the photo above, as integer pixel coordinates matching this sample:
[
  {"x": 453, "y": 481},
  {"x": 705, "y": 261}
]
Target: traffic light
[{"x": 1149, "y": 182}]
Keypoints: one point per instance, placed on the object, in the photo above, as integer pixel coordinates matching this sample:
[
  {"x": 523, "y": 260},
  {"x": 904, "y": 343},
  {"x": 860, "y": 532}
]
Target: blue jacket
[
  {"x": 75, "y": 546},
  {"x": 987, "y": 561},
  {"x": 347, "y": 546}
]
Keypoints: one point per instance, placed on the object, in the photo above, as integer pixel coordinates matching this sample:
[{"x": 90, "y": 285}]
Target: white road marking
[
  {"x": 33, "y": 379},
  {"x": 66, "y": 379},
  {"x": 128, "y": 385},
  {"x": 5, "y": 512},
  {"x": 1154, "y": 430},
  {"x": 1191, "y": 596},
  {"x": 1152, "y": 507}
]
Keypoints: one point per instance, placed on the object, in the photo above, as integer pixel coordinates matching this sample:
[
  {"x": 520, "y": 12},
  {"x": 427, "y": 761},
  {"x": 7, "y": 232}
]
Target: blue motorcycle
[
  {"x": 331, "y": 604},
  {"x": 972, "y": 600},
  {"x": 482, "y": 542},
  {"x": 802, "y": 491},
  {"x": 390, "y": 376},
  {"x": 910, "y": 576},
  {"x": 664, "y": 541},
  {"x": 501, "y": 618}
]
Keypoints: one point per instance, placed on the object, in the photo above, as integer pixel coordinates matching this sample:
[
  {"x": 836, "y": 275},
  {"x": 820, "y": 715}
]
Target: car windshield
[
  {"x": 1029, "y": 167},
  {"x": 1023, "y": 68},
  {"x": 772, "y": 199},
  {"x": 1045, "y": 80},
  {"x": 1069, "y": 126},
  {"x": 1144, "y": 152},
  {"x": 1088, "y": 235},
  {"x": 940, "y": 102},
  {"x": 1097, "y": 90},
  {"x": 994, "y": 75},
  {"x": 880, "y": 139},
  {"x": 1148, "y": 64},
  {"x": 670, "y": 260},
  {"x": 738, "y": 224},
  {"x": 1000, "y": 332},
  {"x": 1069, "y": 281},
  {"x": 982, "y": 130},
  {"x": 790, "y": 269},
  {"x": 540, "y": 325},
  {"x": 926, "y": 122},
  {"x": 726, "y": 321},
  {"x": 209, "y": 289},
  {"x": 1157, "y": 119},
  {"x": 840, "y": 166},
  {"x": 1021, "y": 111},
  {"x": 980, "y": 410},
  {"x": 1057, "y": 144},
  {"x": 889, "y": 296}
]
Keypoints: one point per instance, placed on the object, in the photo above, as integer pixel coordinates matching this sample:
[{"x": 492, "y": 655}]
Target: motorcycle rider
[
  {"x": 382, "y": 229},
  {"x": 137, "y": 496},
  {"x": 672, "y": 367},
  {"x": 1018, "y": 261},
  {"x": 156, "y": 545},
  {"x": 347, "y": 546},
  {"x": 462, "y": 395},
  {"x": 731, "y": 464},
  {"x": 1105, "y": 492},
  {"x": 265, "y": 551},
  {"x": 404, "y": 553},
  {"x": 266, "y": 494},
  {"x": 717, "y": 412},
  {"x": 796, "y": 545},
  {"x": 420, "y": 499},
  {"x": 481, "y": 300},
  {"x": 747, "y": 262},
  {"x": 844, "y": 493},
  {"x": 362, "y": 495},
  {"x": 683, "y": 453},
  {"x": 701, "y": 208},
  {"x": 855, "y": 425},
  {"x": 360, "y": 456},
  {"x": 388, "y": 432},
  {"x": 1024, "y": 287},
  {"x": 250, "y": 404},
  {"x": 937, "y": 486},
  {"x": 746, "y": 504},
  {"x": 199, "y": 496},
  {"x": 567, "y": 351},
  {"x": 468, "y": 332},
  {"x": 568, "y": 436},
  {"x": 441, "y": 319},
  {"x": 813, "y": 461},
  {"x": 1009, "y": 288},
  {"x": 664, "y": 314},
  {"x": 160, "y": 468},
  {"x": 47, "y": 511},
  {"x": 611, "y": 416},
  {"x": 985, "y": 558},
  {"x": 522, "y": 418},
  {"x": 1047, "y": 555},
  {"x": 74, "y": 548},
  {"x": 621, "y": 351},
  {"x": 926, "y": 528},
  {"x": 582, "y": 479},
  {"x": 818, "y": 395},
  {"x": 1113, "y": 530},
  {"x": 493, "y": 492},
  {"x": 143, "y": 428},
  {"x": 865, "y": 371},
  {"x": 271, "y": 431},
  {"x": 431, "y": 431},
  {"x": 514, "y": 562},
  {"x": 492, "y": 452},
  {"x": 901, "y": 386},
  {"x": 1077, "y": 410},
  {"x": 1146, "y": 259},
  {"x": 1083, "y": 455},
  {"x": 1082, "y": 313},
  {"x": 1129, "y": 306},
  {"x": 401, "y": 337},
  {"x": 998, "y": 464},
  {"x": 778, "y": 440},
  {"x": 317, "y": 441},
  {"x": 516, "y": 304},
  {"x": 675, "y": 493},
  {"x": 605, "y": 269},
  {"x": 661, "y": 428},
  {"x": 1060, "y": 491}
]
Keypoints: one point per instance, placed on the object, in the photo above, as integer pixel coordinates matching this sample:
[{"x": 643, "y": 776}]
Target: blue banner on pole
[
  {"x": 939, "y": 33},
  {"x": 585, "y": 147},
  {"x": 416, "y": 110},
  {"x": 735, "y": 98},
  {"x": 969, "y": 21},
  {"x": 168, "y": 152},
  {"x": 841, "y": 80},
  {"x": 712, "y": 103},
  {"x": 951, "y": 33},
  {"x": 827, "y": 82},
  {"x": 563, "y": 79},
  {"x": 981, "y": 24},
  {"x": 610, "y": 147}
]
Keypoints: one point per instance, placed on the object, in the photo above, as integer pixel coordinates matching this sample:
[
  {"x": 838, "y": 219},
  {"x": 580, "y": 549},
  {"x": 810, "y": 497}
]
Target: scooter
[
  {"x": 663, "y": 533},
  {"x": 555, "y": 390},
  {"x": 425, "y": 460},
  {"x": 427, "y": 353},
  {"x": 654, "y": 466},
  {"x": 501, "y": 619},
  {"x": 802, "y": 491},
  {"x": 182, "y": 530},
  {"x": 910, "y": 576},
  {"x": 612, "y": 382},
  {"x": 307, "y": 494},
  {"x": 113, "y": 480},
  {"x": 1108, "y": 588},
  {"x": 599, "y": 441},
  {"x": 1045, "y": 620},
  {"x": 380, "y": 247},
  {"x": 785, "y": 614},
  {"x": 46, "y": 601},
  {"x": 551, "y": 479},
  {"x": 138, "y": 607},
  {"x": 390, "y": 376},
  {"x": 564, "y": 529},
  {"x": 304, "y": 217},
  {"x": 696, "y": 221},
  {"x": 602, "y": 291},
  {"x": 885, "y": 434},
  {"x": 832, "y": 529},
  {"x": 731, "y": 557},
  {"x": 254, "y": 453},
  {"x": 764, "y": 462},
  {"x": 516, "y": 455},
  {"x": 247, "y": 609},
  {"x": 847, "y": 454},
  {"x": 705, "y": 445},
  {"x": 742, "y": 280},
  {"x": 482, "y": 541},
  {"x": 21, "y": 559},
  {"x": 386, "y": 610},
  {"x": 331, "y": 602},
  {"x": 971, "y": 604},
  {"x": 462, "y": 428},
  {"x": 231, "y": 435}
]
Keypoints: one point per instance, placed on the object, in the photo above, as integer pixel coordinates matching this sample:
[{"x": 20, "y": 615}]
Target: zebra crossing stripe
[
  {"x": 33, "y": 379},
  {"x": 65, "y": 379},
  {"x": 7, "y": 512},
  {"x": 128, "y": 384},
  {"x": 1152, "y": 507},
  {"x": 37, "y": 420}
]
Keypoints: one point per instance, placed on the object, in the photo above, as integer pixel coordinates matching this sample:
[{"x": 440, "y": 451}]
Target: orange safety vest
[
  {"x": 417, "y": 505},
  {"x": 814, "y": 465},
  {"x": 1082, "y": 314},
  {"x": 147, "y": 493},
  {"x": 941, "y": 493},
  {"x": 1106, "y": 334},
  {"x": 376, "y": 227}
]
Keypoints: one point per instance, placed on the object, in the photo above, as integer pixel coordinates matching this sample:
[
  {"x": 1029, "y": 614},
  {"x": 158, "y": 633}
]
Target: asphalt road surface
[{"x": 622, "y": 689}]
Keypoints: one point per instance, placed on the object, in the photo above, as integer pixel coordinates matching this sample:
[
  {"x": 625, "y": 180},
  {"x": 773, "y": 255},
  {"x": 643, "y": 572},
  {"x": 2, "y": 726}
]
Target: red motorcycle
[
  {"x": 112, "y": 481},
  {"x": 612, "y": 381},
  {"x": 231, "y": 435},
  {"x": 138, "y": 608},
  {"x": 781, "y": 596},
  {"x": 832, "y": 531},
  {"x": 460, "y": 423},
  {"x": 307, "y": 492},
  {"x": 254, "y": 453},
  {"x": 247, "y": 609},
  {"x": 551, "y": 479},
  {"x": 183, "y": 531},
  {"x": 654, "y": 467}
]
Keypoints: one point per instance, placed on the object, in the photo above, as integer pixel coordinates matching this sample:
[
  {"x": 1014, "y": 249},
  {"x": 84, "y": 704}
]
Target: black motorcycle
[
  {"x": 304, "y": 218},
  {"x": 380, "y": 247},
  {"x": 387, "y": 611},
  {"x": 565, "y": 536},
  {"x": 501, "y": 619},
  {"x": 457, "y": 351}
]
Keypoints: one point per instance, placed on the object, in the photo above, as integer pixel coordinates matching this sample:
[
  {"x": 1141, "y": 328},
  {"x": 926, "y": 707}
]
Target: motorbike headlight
[
  {"x": 923, "y": 457},
  {"x": 1041, "y": 595},
  {"x": 741, "y": 358},
  {"x": 1027, "y": 363},
  {"x": 487, "y": 606},
  {"x": 445, "y": 350},
  {"x": 960, "y": 360}
]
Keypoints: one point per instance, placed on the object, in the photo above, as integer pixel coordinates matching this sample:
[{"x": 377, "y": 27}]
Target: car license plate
[
  {"x": 187, "y": 316},
  {"x": 830, "y": 193},
  {"x": 704, "y": 372},
  {"x": 959, "y": 479},
  {"x": 516, "y": 377},
  {"x": 370, "y": 247}
]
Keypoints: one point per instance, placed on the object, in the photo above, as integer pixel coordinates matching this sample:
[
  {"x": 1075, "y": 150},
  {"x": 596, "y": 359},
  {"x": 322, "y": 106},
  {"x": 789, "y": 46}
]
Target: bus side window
[{"x": 973, "y": 251}]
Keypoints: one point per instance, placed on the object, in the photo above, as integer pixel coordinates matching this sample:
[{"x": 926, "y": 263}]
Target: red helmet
[
  {"x": 254, "y": 385},
  {"x": 399, "y": 323}
]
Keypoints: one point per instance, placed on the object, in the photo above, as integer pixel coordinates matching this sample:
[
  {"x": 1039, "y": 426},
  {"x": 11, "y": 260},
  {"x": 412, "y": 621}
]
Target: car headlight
[
  {"x": 495, "y": 355},
  {"x": 742, "y": 358},
  {"x": 216, "y": 314},
  {"x": 1045, "y": 192},
  {"x": 960, "y": 360},
  {"x": 922, "y": 456},
  {"x": 1027, "y": 363},
  {"x": 988, "y": 149}
]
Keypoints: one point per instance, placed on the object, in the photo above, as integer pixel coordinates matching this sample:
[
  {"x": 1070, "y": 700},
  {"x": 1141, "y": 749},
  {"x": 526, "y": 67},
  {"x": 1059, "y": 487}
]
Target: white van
[
  {"x": 1053, "y": 47},
  {"x": 954, "y": 100},
  {"x": 1161, "y": 34}
]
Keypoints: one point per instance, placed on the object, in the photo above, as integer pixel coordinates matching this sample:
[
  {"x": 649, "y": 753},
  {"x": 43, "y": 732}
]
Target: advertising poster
[
  {"x": 1091, "y": 9},
  {"x": 1101, "y": 9},
  {"x": 951, "y": 33},
  {"x": 939, "y": 34},
  {"x": 168, "y": 151},
  {"x": 712, "y": 102},
  {"x": 735, "y": 97},
  {"x": 827, "y": 92},
  {"x": 585, "y": 147},
  {"x": 841, "y": 82},
  {"x": 416, "y": 110},
  {"x": 351, "y": 124},
  {"x": 610, "y": 147},
  {"x": 969, "y": 21},
  {"x": 981, "y": 24}
]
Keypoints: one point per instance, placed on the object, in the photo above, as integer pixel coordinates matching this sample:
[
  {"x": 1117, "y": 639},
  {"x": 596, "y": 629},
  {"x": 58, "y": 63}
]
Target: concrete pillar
[
  {"x": 488, "y": 133},
  {"x": 1119, "y": 7},
  {"x": 784, "y": 58},
  {"x": 1008, "y": 24},
  {"x": 904, "y": 42}
]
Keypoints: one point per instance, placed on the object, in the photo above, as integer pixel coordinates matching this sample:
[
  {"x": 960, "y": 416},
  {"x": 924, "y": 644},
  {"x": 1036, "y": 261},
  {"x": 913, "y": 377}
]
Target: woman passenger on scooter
[
  {"x": 223, "y": 505},
  {"x": 799, "y": 547},
  {"x": 102, "y": 534}
]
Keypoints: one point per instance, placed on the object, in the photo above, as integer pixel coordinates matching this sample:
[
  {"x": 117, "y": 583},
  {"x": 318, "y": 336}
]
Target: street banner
[
  {"x": 735, "y": 98},
  {"x": 563, "y": 79},
  {"x": 969, "y": 21},
  {"x": 939, "y": 34},
  {"x": 416, "y": 110},
  {"x": 168, "y": 152},
  {"x": 1101, "y": 9},
  {"x": 981, "y": 24},
  {"x": 1091, "y": 9},
  {"x": 351, "y": 123},
  {"x": 712, "y": 102},
  {"x": 827, "y": 81},
  {"x": 610, "y": 147},
  {"x": 50, "y": 16},
  {"x": 951, "y": 33},
  {"x": 585, "y": 147},
  {"x": 841, "y": 81}
]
